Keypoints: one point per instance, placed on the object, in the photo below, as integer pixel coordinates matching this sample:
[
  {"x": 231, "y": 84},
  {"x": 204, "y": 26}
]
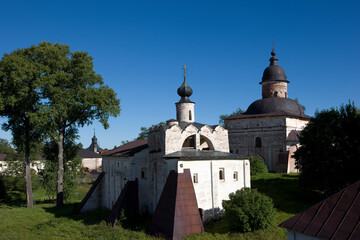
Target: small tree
[
  {"x": 223, "y": 116},
  {"x": 248, "y": 210},
  {"x": 257, "y": 166}
]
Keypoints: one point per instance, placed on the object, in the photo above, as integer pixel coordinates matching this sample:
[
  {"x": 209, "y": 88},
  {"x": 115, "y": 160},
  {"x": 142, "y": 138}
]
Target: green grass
[{"x": 45, "y": 221}]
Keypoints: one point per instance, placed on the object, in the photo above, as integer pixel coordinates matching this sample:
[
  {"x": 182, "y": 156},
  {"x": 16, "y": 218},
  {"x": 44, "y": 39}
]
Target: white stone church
[
  {"x": 179, "y": 146},
  {"x": 185, "y": 169}
]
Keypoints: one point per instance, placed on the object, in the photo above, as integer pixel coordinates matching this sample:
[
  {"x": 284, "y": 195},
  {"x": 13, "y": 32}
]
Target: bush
[
  {"x": 257, "y": 166},
  {"x": 248, "y": 210}
]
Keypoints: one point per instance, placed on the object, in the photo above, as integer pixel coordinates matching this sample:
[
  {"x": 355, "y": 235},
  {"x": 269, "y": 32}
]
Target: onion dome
[
  {"x": 184, "y": 90},
  {"x": 274, "y": 72}
]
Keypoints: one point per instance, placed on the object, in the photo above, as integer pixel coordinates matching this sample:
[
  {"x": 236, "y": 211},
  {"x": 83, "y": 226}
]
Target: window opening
[
  {"x": 195, "y": 178},
  {"x": 258, "y": 142},
  {"x": 222, "y": 174},
  {"x": 275, "y": 94},
  {"x": 190, "y": 115},
  {"x": 143, "y": 173},
  {"x": 189, "y": 143},
  {"x": 235, "y": 176}
]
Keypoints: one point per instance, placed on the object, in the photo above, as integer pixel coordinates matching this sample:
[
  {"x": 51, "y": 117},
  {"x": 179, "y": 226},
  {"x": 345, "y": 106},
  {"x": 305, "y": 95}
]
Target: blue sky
[{"x": 139, "y": 48}]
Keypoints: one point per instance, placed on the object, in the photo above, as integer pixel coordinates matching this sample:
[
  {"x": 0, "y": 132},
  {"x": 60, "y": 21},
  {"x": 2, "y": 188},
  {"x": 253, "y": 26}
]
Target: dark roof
[
  {"x": 337, "y": 217},
  {"x": 128, "y": 149},
  {"x": 196, "y": 155},
  {"x": 86, "y": 153},
  {"x": 177, "y": 214},
  {"x": 2, "y": 156},
  {"x": 272, "y": 107},
  {"x": 184, "y": 125},
  {"x": 293, "y": 136},
  {"x": 274, "y": 72}
]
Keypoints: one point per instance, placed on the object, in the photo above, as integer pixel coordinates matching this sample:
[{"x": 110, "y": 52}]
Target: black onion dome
[
  {"x": 185, "y": 92},
  {"x": 274, "y": 72},
  {"x": 279, "y": 106}
]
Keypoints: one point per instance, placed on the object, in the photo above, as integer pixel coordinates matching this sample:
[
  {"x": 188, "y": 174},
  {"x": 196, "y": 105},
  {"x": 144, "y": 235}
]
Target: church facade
[
  {"x": 196, "y": 154},
  {"x": 270, "y": 126}
]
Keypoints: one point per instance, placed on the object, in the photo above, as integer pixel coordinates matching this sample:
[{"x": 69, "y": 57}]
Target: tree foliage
[
  {"x": 72, "y": 165},
  {"x": 144, "y": 131},
  {"x": 257, "y": 166},
  {"x": 223, "y": 116},
  {"x": 5, "y": 147},
  {"x": 47, "y": 89},
  {"x": 248, "y": 210},
  {"x": 21, "y": 102},
  {"x": 329, "y": 155}
]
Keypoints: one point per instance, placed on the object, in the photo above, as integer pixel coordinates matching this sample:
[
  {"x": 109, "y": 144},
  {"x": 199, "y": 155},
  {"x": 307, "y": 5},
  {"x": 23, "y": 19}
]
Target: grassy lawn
[{"x": 45, "y": 221}]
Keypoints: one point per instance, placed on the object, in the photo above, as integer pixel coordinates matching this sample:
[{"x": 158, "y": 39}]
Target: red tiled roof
[
  {"x": 128, "y": 149},
  {"x": 337, "y": 217}
]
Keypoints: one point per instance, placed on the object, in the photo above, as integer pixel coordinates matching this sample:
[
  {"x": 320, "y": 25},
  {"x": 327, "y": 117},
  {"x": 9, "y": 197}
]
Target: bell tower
[
  {"x": 185, "y": 107},
  {"x": 274, "y": 81}
]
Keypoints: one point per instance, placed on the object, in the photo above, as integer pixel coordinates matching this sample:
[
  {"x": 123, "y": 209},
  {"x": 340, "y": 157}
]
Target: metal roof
[
  {"x": 86, "y": 153},
  {"x": 197, "y": 155},
  {"x": 128, "y": 149},
  {"x": 337, "y": 217},
  {"x": 272, "y": 107}
]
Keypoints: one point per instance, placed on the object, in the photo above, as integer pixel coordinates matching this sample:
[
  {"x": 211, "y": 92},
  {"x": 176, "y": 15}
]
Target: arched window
[
  {"x": 275, "y": 94},
  {"x": 258, "y": 142},
  {"x": 190, "y": 117},
  {"x": 143, "y": 173}
]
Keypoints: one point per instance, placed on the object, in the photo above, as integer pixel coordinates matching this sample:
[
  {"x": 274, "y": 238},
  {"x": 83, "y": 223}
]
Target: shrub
[
  {"x": 248, "y": 210},
  {"x": 257, "y": 166}
]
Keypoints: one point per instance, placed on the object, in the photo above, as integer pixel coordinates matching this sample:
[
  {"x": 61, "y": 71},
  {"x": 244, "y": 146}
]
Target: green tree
[
  {"x": 257, "y": 166},
  {"x": 302, "y": 106},
  {"x": 75, "y": 96},
  {"x": 329, "y": 155},
  {"x": 5, "y": 147},
  {"x": 248, "y": 210},
  {"x": 222, "y": 117},
  {"x": 21, "y": 103},
  {"x": 72, "y": 165},
  {"x": 145, "y": 130}
]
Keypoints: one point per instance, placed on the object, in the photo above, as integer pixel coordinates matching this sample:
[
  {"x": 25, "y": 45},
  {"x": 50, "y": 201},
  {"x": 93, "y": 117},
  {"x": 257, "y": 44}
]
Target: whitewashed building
[{"x": 178, "y": 145}]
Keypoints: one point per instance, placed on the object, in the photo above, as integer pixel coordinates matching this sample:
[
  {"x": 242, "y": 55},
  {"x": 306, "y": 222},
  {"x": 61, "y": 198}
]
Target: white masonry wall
[{"x": 210, "y": 190}]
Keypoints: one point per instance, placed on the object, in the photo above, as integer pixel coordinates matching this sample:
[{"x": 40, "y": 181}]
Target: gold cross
[{"x": 185, "y": 68}]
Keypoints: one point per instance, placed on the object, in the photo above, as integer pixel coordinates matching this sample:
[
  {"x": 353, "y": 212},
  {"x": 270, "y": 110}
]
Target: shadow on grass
[
  {"x": 288, "y": 196},
  {"x": 69, "y": 210}
]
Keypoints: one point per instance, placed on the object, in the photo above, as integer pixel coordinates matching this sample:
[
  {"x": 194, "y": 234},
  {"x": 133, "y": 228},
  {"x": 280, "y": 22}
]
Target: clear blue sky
[{"x": 139, "y": 47}]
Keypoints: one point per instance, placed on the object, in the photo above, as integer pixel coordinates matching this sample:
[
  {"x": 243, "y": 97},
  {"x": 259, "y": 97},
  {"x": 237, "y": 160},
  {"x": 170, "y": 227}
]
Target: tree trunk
[
  {"x": 29, "y": 197},
  {"x": 60, "y": 181}
]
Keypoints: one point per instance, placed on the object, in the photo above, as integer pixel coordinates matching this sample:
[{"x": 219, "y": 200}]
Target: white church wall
[
  {"x": 210, "y": 189},
  {"x": 295, "y": 124}
]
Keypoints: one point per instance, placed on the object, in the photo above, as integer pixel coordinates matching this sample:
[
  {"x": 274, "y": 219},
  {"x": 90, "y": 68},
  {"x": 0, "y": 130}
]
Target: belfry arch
[{"x": 205, "y": 143}]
